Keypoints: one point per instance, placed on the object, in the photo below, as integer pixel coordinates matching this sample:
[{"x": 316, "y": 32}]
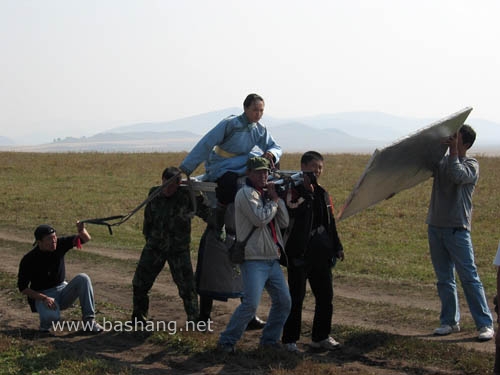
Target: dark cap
[
  {"x": 258, "y": 163},
  {"x": 43, "y": 230}
]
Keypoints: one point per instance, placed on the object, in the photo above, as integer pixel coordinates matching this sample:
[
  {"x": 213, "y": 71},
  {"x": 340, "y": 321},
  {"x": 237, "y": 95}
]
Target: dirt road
[{"x": 358, "y": 302}]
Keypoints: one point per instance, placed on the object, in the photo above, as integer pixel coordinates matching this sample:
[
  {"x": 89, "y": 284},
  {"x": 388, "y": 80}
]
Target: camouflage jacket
[{"x": 167, "y": 220}]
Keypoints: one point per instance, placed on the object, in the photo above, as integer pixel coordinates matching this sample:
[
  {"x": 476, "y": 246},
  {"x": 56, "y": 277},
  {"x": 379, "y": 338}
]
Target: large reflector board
[{"x": 403, "y": 164}]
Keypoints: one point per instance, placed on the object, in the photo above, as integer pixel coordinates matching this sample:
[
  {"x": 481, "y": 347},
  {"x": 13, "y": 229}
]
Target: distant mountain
[
  {"x": 369, "y": 125},
  {"x": 141, "y": 136},
  {"x": 342, "y": 132},
  {"x": 199, "y": 124},
  {"x": 4, "y": 141},
  {"x": 360, "y": 132},
  {"x": 174, "y": 141},
  {"x": 298, "y": 137}
]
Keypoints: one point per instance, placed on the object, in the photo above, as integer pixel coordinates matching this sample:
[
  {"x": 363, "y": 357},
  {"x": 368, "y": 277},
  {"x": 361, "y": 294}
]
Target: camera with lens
[
  {"x": 284, "y": 179},
  {"x": 280, "y": 189},
  {"x": 312, "y": 177}
]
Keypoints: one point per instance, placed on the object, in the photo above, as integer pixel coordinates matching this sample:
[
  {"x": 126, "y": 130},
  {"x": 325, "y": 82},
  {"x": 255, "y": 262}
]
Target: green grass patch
[{"x": 22, "y": 357}]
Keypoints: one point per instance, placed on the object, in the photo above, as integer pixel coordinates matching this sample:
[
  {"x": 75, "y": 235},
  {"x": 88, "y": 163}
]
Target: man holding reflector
[{"x": 449, "y": 220}]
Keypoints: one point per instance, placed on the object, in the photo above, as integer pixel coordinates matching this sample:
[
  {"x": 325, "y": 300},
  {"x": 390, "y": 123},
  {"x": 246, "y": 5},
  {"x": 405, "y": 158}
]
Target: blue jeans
[
  {"x": 451, "y": 249},
  {"x": 258, "y": 275},
  {"x": 65, "y": 294}
]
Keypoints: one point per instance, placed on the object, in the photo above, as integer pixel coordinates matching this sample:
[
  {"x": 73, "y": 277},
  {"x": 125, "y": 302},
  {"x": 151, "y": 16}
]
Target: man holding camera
[
  {"x": 312, "y": 247},
  {"x": 258, "y": 205}
]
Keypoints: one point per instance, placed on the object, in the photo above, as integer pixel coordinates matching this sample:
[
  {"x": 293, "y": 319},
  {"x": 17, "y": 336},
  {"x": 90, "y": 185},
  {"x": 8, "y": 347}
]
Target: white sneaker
[
  {"x": 291, "y": 347},
  {"x": 446, "y": 329},
  {"x": 486, "y": 333},
  {"x": 329, "y": 344}
]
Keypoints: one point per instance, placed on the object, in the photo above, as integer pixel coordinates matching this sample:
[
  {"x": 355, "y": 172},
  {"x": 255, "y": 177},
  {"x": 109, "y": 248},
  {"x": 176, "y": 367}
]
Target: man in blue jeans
[
  {"x": 42, "y": 274},
  {"x": 257, "y": 204},
  {"x": 449, "y": 220}
]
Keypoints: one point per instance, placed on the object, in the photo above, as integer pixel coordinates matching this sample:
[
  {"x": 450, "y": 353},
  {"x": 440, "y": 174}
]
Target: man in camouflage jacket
[{"x": 167, "y": 230}]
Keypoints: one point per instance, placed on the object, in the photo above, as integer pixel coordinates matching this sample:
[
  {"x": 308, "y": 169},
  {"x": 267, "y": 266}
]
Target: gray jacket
[
  {"x": 251, "y": 210},
  {"x": 451, "y": 200}
]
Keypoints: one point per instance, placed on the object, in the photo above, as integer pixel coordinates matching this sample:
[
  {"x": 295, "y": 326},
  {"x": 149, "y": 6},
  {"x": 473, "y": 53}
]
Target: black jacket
[{"x": 312, "y": 236}]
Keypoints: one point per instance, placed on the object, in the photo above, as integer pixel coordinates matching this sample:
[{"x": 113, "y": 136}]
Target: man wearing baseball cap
[
  {"x": 258, "y": 205},
  {"x": 42, "y": 274}
]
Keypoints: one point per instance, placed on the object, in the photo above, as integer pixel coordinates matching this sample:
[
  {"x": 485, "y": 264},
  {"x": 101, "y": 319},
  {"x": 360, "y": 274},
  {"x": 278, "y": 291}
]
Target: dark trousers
[
  {"x": 206, "y": 302},
  {"x": 150, "y": 264},
  {"x": 321, "y": 282},
  {"x": 225, "y": 193}
]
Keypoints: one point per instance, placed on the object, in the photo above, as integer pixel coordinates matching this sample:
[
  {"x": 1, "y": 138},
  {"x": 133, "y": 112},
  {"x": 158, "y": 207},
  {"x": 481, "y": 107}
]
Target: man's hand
[
  {"x": 82, "y": 232},
  {"x": 307, "y": 183},
  {"x": 46, "y": 300},
  {"x": 80, "y": 226},
  {"x": 269, "y": 156},
  {"x": 271, "y": 191},
  {"x": 452, "y": 143},
  {"x": 50, "y": 302},
  {"x": 183, "y": 171}
]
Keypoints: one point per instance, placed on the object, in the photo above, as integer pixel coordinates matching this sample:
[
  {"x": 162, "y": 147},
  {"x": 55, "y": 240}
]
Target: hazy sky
[{"x": 79, "y": 67}]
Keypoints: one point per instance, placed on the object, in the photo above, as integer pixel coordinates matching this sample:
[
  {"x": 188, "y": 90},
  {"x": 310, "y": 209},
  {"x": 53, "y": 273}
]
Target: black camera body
[
  {"x": 312, "y": 177},
  {"x": 284, "y": 179}
]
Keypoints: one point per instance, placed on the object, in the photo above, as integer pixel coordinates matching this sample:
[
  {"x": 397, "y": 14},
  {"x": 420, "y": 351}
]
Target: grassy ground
[
  {"x": 385, "y": 245},
  {"x": 62, "y": 188}
]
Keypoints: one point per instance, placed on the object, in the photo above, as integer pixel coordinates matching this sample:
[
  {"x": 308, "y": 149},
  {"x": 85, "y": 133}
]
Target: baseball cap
[
  {"x": 258, "y": 163},
  {"x": 43, "y": 230}
]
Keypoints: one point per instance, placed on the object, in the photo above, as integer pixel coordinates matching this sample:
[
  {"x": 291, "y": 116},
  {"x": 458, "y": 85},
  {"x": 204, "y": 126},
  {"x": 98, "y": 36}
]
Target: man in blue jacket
[{"x": 225, "y": 150}]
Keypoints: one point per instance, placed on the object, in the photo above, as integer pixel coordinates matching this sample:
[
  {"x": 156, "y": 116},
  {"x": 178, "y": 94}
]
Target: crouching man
[{"x": 42, "y": 274}]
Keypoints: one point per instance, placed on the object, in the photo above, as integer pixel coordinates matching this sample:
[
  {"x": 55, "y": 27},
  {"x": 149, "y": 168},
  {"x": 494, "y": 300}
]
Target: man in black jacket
[{"x": 312, "y": 247}]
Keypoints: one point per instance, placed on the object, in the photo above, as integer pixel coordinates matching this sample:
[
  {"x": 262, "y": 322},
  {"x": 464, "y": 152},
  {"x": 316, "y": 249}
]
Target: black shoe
[
  {"x": 255, "y": 323},
  {"x": 44, "y": 333},
  {"x": 225, "y": 348}
]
